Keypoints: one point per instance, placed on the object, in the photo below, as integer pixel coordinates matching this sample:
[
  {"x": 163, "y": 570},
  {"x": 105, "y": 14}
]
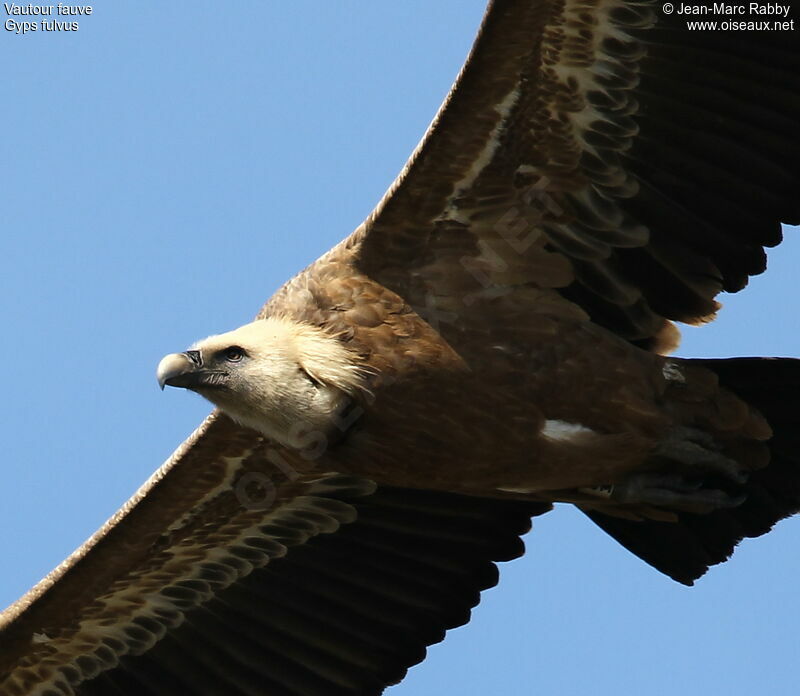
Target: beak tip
[{"x": 171, "y": 367}]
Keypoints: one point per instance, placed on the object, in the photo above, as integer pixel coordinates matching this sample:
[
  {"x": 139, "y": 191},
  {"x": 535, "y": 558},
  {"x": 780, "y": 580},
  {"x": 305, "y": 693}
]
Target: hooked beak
[{"x": 185, "y": 370}]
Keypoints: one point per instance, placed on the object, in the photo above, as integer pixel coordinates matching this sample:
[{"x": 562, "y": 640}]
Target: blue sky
[{"x": 169, "y": 165}]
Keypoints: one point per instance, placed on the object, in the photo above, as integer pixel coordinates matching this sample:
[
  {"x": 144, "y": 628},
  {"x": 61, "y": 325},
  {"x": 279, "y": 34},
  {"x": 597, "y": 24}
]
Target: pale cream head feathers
[{"x": 277, "y": 376}]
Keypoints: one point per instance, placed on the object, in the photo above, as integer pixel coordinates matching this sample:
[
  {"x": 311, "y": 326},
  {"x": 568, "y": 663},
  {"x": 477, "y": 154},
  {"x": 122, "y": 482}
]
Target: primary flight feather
[{"x": 491, "y": 340}]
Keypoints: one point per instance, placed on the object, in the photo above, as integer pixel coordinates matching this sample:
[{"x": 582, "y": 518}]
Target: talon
[{"x": 605, "y": 491}]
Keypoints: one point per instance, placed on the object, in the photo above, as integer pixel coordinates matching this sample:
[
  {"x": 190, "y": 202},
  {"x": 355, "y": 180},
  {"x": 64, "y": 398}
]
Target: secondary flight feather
[{"x": 491, "y": 340}]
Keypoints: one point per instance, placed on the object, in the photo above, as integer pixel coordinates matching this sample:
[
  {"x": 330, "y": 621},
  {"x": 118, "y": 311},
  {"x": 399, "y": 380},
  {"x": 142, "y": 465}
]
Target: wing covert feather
[
  {"x": 602, "y": 152},
  {"x": 237, "y": 566}
]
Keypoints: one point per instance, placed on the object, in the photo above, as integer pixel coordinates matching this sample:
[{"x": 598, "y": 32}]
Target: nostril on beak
[{"x": 195, "y": 357}]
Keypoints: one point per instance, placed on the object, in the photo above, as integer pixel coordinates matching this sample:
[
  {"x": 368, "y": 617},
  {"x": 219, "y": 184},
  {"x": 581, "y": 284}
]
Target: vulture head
[{"x": 276, "y": 376}]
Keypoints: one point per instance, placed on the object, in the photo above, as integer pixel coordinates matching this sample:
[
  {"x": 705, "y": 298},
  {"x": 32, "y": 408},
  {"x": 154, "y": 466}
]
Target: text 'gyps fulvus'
[{"x": 488, "y": 342}]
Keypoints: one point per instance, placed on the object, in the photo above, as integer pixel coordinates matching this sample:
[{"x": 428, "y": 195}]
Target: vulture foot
[{"x": 674, "y": 491}]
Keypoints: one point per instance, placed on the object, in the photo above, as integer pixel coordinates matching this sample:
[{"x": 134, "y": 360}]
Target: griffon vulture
[{"x": 491, "y": 340}]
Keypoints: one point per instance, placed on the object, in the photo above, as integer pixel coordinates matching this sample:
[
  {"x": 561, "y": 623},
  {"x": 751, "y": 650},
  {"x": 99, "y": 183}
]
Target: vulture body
[{"x": 492, "y": 339}]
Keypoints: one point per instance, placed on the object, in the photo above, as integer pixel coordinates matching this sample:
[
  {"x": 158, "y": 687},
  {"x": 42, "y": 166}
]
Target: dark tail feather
[{"x": 686, "y": 549}]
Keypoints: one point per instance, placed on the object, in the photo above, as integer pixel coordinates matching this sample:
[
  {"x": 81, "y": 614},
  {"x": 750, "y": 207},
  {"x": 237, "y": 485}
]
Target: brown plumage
[{"x": 491, "y": 340}]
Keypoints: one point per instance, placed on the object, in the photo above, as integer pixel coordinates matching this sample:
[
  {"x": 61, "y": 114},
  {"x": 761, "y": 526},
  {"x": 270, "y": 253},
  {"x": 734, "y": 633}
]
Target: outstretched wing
[
  {"x": 233, "y": 568},
  {"x": 600, "y": 153}
]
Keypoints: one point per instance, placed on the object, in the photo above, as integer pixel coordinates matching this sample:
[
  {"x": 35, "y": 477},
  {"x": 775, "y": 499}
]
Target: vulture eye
[{"x": 233, "y": 354}]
